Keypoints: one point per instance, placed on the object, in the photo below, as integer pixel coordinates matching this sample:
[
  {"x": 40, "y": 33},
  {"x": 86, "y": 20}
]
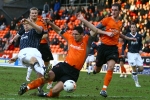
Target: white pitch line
[{"x": 107, "y": 97}]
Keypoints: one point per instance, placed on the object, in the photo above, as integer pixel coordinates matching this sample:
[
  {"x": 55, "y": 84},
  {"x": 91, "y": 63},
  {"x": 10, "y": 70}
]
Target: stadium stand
[{"x": 131, "y": 11}]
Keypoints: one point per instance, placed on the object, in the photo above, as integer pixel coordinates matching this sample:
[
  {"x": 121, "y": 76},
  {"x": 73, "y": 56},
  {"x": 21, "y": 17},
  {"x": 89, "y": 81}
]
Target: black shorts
[
  {"x": 64, "y": 71},
  {"x": 46, "y": 52},
  {"x": 121, "y": 59},
  {"x": 106, "y": 53}
]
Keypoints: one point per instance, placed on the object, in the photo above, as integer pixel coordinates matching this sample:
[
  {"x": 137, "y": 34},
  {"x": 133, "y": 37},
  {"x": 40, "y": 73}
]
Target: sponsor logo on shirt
[
  {"x": 76, "y": 47},
  {"x": 25, "y": 37}
]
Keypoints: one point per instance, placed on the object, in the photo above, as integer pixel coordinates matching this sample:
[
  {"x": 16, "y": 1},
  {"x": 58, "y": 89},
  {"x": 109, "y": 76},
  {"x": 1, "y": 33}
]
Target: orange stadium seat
[
  {"x": 144, "y": 54},
  {"x": 148, "y": 54}
]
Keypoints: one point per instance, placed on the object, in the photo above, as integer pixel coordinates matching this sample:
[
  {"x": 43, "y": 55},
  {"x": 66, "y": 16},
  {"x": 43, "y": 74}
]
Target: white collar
[
  {"x": 133, "y": 35},
  {"x": 27, "y": 32}
]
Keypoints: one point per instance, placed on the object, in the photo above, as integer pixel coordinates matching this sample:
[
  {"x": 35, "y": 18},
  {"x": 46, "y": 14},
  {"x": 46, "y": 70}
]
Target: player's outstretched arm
[
  {"x": 14, "y": 39},
  {"x": 127, "y": 38},
  {"x": 54, "y": 27},
  {"x": 93, "y": 28}
]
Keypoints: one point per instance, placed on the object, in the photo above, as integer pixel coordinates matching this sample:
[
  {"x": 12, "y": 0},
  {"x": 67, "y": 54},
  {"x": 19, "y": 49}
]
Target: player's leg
[
  {"x": 87, "y": 63},
  {"x": 111, "y": 54},
  {"x": 132, "y": 62},
  {"x": 29, "y": 70},
  {"x": 36, "y": 83},
  {"x": 37, "y": 64},
  {"x": 108, "y": 77},
  {"x": 123, "y": 70},
  {"x": 46, "y": 56},
  {"x": 91, "y": 66},
  {"x": 139, "y": 63},
  {"x": 54, "y": 92},
  {"x": 100, "y": 59},
  {"x": 121, "y": 67},
  {"x": 63, "y": 72}
]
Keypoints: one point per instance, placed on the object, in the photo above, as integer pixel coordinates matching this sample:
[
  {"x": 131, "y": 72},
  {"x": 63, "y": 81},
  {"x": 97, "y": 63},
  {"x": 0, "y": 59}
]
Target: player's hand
[
  {"x": 47, "y": 20},
  {"x": 12, "y": 60},
  {"x": 133, "y": 39},
  {"x": 26, "y": 21},
  {"x": 79, "y": 16},
  {"x": 11, "y": 41}
]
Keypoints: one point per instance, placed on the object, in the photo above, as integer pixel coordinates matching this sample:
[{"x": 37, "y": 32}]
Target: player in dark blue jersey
[
  {"x": 29, "y": 54},
  {"x": 30, "y": 38},
  {"x": 91, "y": 57},
  {"x": 134, "y": 51}
]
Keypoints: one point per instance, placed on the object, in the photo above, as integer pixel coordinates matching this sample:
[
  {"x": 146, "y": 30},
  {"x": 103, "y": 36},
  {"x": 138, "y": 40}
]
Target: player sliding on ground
[{"x": 78, "y": 45}]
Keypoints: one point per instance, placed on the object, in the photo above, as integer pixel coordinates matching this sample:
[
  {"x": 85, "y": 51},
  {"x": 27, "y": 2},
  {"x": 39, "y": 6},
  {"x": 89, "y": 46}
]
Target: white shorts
[
  {"x": 134, "y": 59},
  {"x": 90, "y": 58},
  {"x": 27, "y": 53}
]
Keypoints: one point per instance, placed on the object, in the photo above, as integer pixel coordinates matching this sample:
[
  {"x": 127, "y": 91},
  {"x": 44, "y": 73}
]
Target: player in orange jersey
[
  {"x": 79, "y": 45},
  {"x": 121, "y": 59},
  {"x": 108, "y": 50},
  {"x": 44, "y": 44}
]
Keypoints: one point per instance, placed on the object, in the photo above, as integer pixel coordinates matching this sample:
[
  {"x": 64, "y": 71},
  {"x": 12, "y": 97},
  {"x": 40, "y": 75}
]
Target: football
[{"x": 69, "y": 86}]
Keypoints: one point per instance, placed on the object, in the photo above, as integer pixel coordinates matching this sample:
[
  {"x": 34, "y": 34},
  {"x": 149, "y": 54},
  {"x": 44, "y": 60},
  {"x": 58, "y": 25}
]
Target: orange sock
[
  {"x": 50, "y": 94},
  {"x": 107, "y": 79},
  {"x": 123, "y": 70},
  {"x": 36, "y": 83}
]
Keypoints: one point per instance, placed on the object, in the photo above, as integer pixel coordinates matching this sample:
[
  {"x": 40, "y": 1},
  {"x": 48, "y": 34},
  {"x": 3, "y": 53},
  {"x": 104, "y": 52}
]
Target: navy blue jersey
[
  {"x": 30, "y": 39},
  {"x": 93, "y": 48},
  {"x": 133, "y": 46}
]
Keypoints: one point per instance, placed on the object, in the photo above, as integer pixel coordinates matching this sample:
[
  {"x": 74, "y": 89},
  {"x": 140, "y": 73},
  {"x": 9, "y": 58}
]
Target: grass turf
[{"x": 88, "y": 87}]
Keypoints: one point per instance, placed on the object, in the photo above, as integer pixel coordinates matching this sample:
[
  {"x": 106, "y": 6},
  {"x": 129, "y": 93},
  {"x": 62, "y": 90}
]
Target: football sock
[
  {"x": 135, "y": 77},
  {"x": 36, "y": 83},
  {"x": 38, "y": 68},
  {"x": 107, "y": 79},
  {"x": 123, "y": 70},
  {"x": 50, "y": 94},
  {"x": 89, "y": 69},
  {"x": 29, "y": 70}
]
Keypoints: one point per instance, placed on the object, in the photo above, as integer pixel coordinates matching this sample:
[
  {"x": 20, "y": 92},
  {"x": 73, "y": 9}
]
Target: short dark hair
[
  {"x": 132, "y": 23},
  {"x": 117, "y": 4},
  {"x": 79, "y": 29}
]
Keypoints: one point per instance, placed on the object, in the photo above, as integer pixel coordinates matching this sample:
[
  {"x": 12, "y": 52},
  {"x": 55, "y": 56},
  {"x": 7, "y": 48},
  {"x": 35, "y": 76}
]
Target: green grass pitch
[{"x": 88, "y": 87}]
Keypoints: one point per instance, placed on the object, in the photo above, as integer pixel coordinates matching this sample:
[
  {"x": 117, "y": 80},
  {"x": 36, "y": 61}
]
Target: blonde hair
[{"x": 33, "y": 8}]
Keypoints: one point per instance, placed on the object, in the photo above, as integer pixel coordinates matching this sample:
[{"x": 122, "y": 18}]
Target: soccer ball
[{"x": 69, "y": 86}]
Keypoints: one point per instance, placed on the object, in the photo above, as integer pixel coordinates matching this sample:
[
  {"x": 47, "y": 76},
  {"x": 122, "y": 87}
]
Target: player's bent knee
[
  {"x": 140, "y": 69},
  {"x": 51, "y": 76},
  {"x": 33, "y": 60}
]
